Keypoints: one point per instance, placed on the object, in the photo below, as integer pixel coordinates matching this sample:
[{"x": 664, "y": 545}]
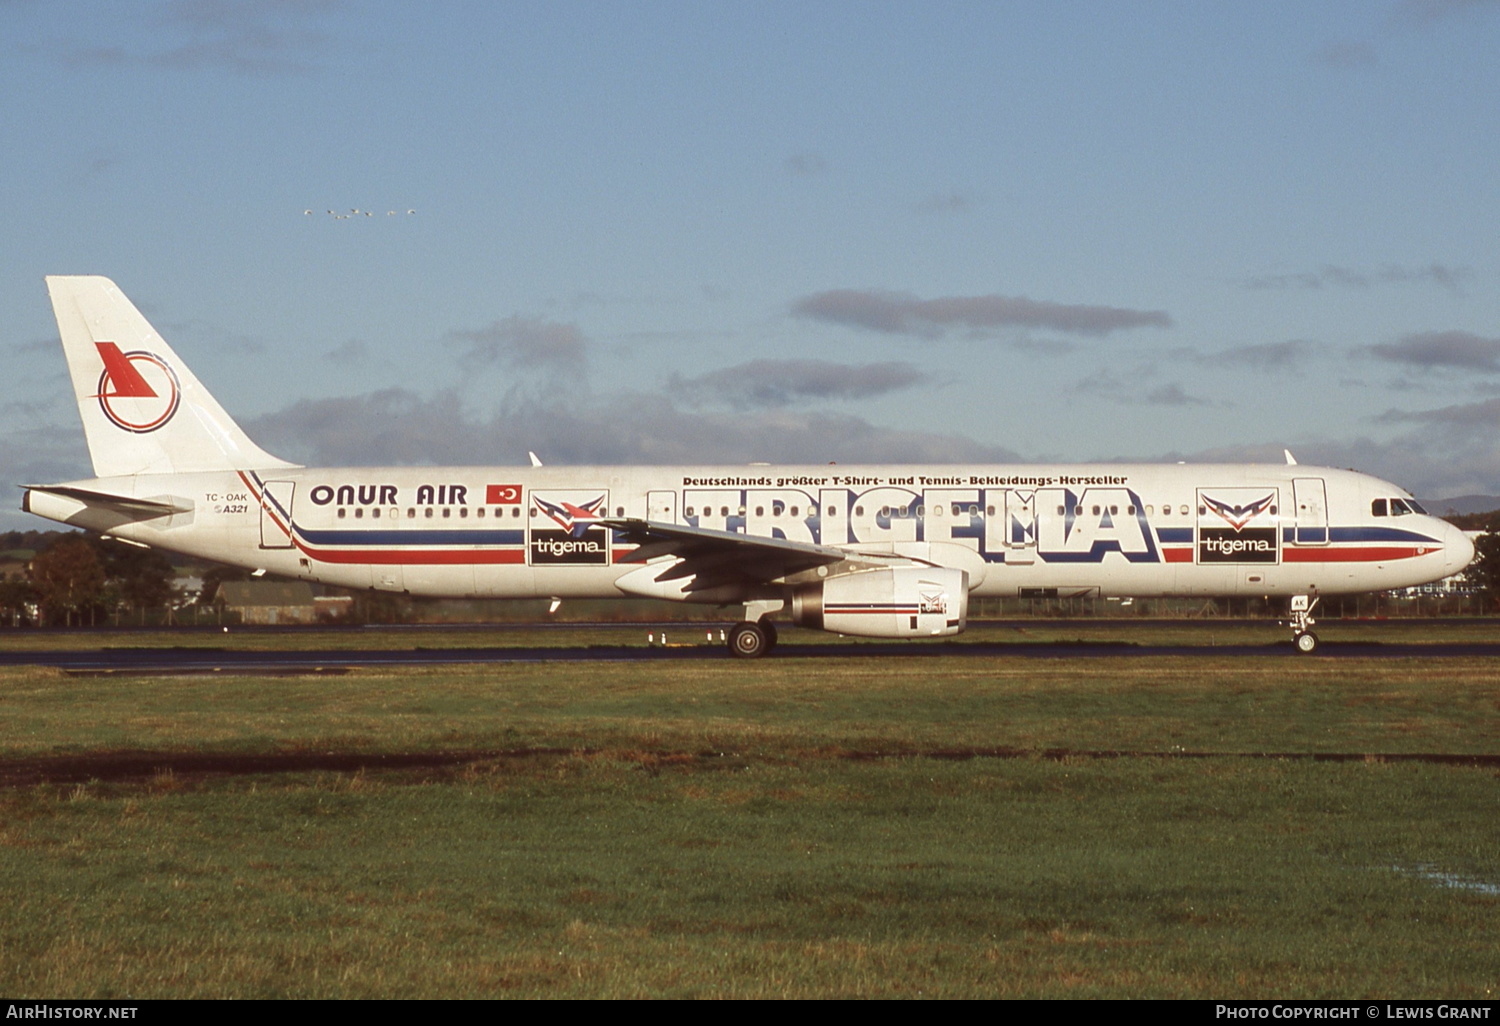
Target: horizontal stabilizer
[{"x": 139, "y": 508}]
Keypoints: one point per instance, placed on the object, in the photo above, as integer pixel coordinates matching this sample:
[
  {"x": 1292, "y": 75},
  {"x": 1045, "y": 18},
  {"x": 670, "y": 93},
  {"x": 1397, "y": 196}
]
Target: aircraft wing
[{"x": 714, "y": 559}]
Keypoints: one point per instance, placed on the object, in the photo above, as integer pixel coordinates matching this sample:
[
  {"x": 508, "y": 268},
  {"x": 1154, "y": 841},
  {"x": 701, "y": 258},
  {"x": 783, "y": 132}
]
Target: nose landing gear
[{"x": 1301, "y": 623}]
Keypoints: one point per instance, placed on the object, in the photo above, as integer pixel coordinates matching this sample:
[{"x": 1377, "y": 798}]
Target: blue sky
[{"x": 688, "y": 232}]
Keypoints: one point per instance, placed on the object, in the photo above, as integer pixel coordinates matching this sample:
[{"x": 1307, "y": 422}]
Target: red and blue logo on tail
[{"x": 138, "y": 391}]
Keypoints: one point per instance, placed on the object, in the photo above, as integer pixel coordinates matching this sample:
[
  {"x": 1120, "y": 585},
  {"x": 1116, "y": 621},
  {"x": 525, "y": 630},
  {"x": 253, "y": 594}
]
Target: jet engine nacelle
[{"x": 899, "y": 602}]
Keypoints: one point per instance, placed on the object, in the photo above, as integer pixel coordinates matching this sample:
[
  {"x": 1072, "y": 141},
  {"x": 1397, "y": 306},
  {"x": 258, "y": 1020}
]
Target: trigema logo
[
  {"x": 138, "y": 391},
  {"x": 1253, "y": 528},
  {"x": 563, "y": 530}
]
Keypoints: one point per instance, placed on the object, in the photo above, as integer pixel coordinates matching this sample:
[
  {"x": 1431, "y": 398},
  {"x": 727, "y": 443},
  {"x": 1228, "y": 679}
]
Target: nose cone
[{"x": 1458, "y": 550}]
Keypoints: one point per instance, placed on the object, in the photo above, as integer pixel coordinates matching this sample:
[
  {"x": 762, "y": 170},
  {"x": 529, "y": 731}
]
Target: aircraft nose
[{"x": 1458, "y": 550}]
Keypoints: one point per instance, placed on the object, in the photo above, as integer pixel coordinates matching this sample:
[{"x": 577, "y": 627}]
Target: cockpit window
[
  {"x": 1416, "y": 507},
  {"x": 1377, "y": 508},
  {"x": 1399, "y": 508}
]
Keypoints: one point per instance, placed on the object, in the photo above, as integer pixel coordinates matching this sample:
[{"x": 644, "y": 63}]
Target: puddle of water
[{"x": 1432, "y": 874}]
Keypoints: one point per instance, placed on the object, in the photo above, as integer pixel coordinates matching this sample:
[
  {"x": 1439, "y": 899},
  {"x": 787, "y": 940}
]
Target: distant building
[{"x": 280, "y": 602}]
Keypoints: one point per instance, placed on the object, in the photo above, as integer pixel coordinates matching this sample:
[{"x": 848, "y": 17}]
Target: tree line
[{"x": 67, "y": 578}]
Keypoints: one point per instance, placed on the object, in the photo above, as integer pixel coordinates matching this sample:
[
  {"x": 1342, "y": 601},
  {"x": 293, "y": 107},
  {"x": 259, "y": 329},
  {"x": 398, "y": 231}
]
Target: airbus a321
[{"x": 873, "y": 551}]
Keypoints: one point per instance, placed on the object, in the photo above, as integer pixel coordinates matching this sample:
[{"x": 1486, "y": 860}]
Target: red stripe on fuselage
[
  {"x": 417, "y": 557},
  {"x": 1374, "y": 554}
]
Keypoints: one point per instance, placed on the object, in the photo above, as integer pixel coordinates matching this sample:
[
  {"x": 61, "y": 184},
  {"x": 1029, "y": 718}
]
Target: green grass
[
  {"x": 800, "y": 827},
  {"x": 1202, "y": 632}
]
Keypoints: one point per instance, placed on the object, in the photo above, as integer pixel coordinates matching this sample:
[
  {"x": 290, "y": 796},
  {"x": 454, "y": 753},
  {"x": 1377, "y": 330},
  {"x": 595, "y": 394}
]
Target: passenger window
[
  {"x": 1096, "y": 511},
  {"x": 463, "y": 512},
  {"x": 428, "y": 514},
  {"x": 1377, "y": 508},
  {"x": 859, "y": 511},
  {"x": 375, "y": 514},
  {"x": 690, "y": 511},
  {"x": 342, "y": 513},
  {"x": 794, "y": 511},
  {"x": 760, "y": 511},
  {"x": 411, "y": 512},
  {"x": 447, "y": 512},
  {"x": 359, "y": 513},
  {"x": 1183, "y": 509}
]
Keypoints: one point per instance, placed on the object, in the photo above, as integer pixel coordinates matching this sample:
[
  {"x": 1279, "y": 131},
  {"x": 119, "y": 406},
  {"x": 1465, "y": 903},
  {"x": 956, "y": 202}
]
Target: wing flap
[{"x": 710, "y": 560}]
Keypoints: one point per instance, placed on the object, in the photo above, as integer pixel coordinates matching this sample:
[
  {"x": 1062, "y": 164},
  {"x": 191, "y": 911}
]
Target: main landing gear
[
  {"x": 749, "y": 640},
  {"x": 1301, "y": 623}
]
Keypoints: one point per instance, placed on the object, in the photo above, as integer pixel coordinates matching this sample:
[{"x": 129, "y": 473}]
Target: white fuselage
[{"x": 510, "y": 532}]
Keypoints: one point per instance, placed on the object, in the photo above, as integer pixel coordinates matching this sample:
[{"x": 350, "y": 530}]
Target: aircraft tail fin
[{"x": 143, "y": 410}]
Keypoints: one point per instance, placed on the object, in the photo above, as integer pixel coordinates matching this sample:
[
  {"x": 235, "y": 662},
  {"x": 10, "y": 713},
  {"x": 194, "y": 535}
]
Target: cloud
[
  {"x": 1172, "y": 394},
  {"x": 774, "y": 383},
  {"x": 1265, "y": 357},
  {"x": 249, "y": 37},
  {"x": 1345, "y": 55},
  {"x": 1428, "y": 11},
  {"x": 1456, "y": 349},
  {"x": 1331, "y": 276},
  {"x": 397, "y": 426},
  {"x": 1133, "y": 389},
  {"x": 952, "y": 202},
  {"x": 896, "y": 313},
  {"x": 1484, "y": 414},
  {"x": 805, "y": 165},
  {"x": 524, "y": 343},
  {"x": 354, "y": 351}
]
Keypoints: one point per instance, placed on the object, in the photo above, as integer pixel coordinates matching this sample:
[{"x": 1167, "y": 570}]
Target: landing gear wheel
[
  {"x": 1301, "y": 623},
  {"x": 749, "y": 641},
  {"x": 770, "y": 629}
]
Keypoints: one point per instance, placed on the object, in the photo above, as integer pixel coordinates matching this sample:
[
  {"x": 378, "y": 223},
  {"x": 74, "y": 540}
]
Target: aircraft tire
[
  {"x": 770, "y": 629},
  {"x": 749, "y": 641},
  {"x": 1306, "y": 642}
]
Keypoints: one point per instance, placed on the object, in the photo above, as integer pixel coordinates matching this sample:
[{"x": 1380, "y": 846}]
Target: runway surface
[{"x": 197, "y": 660}]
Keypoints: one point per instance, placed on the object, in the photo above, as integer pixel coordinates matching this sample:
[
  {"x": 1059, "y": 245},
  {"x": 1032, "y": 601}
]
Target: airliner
[{"x": 878, "y": 551}]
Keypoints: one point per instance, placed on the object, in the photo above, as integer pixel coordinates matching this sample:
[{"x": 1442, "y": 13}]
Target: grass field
[
  {"x": 1204, "y": 632},
  {"x": 801, "y": 827}
]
